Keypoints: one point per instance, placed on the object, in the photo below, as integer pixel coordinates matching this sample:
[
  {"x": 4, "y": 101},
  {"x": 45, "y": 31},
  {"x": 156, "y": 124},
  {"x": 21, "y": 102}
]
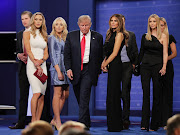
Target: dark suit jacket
[
  {"x": 72, "y": 55},
  {"x": 132, "y": 49},
  {"x": 19, "y": 48}
]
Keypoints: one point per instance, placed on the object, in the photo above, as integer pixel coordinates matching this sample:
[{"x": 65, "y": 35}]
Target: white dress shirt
[{"x": 87, "y": 46}]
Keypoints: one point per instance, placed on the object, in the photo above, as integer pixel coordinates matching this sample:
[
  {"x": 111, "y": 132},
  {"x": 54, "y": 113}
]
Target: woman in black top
[
  {"x": 167, "y": 92},
  {"x": 116, "y": 37},
  {"x": 153, "y": 55}
]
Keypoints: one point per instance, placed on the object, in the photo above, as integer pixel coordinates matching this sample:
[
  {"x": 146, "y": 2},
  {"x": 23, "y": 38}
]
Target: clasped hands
[
  {"x": 22, "y": 57},
  {"x": 37, "y": 64},
  {"x": 104, "y": 66}
]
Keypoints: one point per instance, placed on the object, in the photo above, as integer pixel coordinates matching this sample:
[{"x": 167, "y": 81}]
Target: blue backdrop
[
  {"x": 136, "y": 13},
  {"x": 8, "y": 15}
]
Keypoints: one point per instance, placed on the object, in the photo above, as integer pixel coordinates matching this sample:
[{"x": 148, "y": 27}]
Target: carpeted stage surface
[{"x": 98, "y": 127}]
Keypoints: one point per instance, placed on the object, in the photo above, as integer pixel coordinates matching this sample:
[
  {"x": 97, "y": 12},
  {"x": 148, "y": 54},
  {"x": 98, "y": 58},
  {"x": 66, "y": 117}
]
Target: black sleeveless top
[
  {"x": 109, "y": 46},
  {"x": 171, "y": 39},
  {"x": 151, "y": 52}
]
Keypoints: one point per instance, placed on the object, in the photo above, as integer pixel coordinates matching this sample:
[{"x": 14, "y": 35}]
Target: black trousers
[
  {"x": 82, "y": 92},
  {"x": 24, "y": 93},
  {"x": 167, "y": 94},
  {"x": 113, "y": 100},
  {"x": 46, "y": 115},
  {"x": 148, "y": 72},
  {"x": 126, "y": 88}
]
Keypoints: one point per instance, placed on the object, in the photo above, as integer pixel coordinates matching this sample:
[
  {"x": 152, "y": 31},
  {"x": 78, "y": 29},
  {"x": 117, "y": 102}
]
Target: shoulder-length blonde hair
[
  {"x": 166, "y": 31},
  {"x": 64, "y": 32},
  {"x": 120, "y": 28},
  {"x": 42, "y": 29},
  {"x": 149, "y": 31}
]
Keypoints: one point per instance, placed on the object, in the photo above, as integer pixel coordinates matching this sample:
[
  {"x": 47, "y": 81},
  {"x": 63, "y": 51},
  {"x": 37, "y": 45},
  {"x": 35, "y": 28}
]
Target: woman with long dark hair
[{"x": 116, "y": 37}]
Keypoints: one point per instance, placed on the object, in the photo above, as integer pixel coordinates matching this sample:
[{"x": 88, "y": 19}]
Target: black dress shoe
[
  {"x": 126, "y": 124},
  {"x": 87, "y": 128},
  {"x": 17, "y": 126},
  {"x": 114, "y": 130}
]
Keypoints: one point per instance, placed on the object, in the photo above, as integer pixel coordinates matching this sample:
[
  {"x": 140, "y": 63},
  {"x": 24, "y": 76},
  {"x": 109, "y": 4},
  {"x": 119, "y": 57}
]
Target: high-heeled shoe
[
  {"x": 143, "y": 128},
  {"x": 145, "y": 125},
  {"x": 56, "y": 128},
  {"x": 153, "y": 130},
  {"x": 52, "y": 122}
]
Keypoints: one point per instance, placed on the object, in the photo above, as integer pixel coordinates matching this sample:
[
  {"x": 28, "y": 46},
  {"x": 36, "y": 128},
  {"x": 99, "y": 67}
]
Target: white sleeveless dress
[{"x": 38, "y": 45}]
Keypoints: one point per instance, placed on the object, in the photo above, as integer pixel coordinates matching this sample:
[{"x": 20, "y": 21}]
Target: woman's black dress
[
  {"x": 113, "y": 101},
  {"x": 167, "y": 92}
]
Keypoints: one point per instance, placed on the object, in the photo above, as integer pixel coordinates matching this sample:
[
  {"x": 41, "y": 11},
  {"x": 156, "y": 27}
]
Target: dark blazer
[
  {"x": 19, "y": 48},
  {"x": 72, "y": 55},
  {"x": 132, "y": 49}
]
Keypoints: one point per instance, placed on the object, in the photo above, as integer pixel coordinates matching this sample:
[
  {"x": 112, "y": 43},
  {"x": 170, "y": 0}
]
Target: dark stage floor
[{"x": 98, "y": 126}]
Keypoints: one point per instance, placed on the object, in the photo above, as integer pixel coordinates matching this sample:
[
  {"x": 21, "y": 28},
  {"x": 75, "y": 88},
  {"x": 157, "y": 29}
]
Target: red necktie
[{"x": 83, "y": 43}]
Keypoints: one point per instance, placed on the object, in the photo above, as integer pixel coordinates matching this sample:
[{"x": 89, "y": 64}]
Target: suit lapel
[
  {"x": 92, "y": 44},
  {"x": 78, "y": 44},
  {"x": 21, "y": 38},
  {"x": 78, "y": 39}
]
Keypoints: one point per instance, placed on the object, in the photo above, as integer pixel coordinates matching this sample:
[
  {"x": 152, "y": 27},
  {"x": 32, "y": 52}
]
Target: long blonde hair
[
  {"x": 166, "y": 31},
  {"x": 120, "y": 28},
  {"x": 149, "y": 31},
  {"x": 64, "y": 32},
  {"x": 42, "y": 29}
]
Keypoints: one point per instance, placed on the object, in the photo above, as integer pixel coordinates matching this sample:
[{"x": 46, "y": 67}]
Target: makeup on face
[{"x": 38, "y": 21}]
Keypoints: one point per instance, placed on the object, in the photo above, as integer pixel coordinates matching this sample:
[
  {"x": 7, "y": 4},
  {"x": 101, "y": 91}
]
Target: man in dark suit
[
  {"x": 83, "y": 57},
  {"x": 129, "y": 57},
  {"x": 23, "y": 80}
]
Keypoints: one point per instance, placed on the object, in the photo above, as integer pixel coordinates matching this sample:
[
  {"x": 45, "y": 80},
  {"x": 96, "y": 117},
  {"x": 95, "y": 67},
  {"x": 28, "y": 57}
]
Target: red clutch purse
[{"x": 42, "y": 78}]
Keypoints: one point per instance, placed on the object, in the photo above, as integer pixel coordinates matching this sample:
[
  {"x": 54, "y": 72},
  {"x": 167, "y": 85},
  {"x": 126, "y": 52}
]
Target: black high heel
[
  {"x": 53, "y": 124},
  {"x": 153, "y": 129},
  {"x": 143, "y": 128}
]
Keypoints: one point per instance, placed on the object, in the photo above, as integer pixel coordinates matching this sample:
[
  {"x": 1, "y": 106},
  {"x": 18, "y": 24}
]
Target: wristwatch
[{"x": 43, "y": 60}]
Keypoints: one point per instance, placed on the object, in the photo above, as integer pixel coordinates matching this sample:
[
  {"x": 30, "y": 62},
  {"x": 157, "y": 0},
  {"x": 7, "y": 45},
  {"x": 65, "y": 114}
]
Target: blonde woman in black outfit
[
  {"x": 153, "y": 56},
  {"x": 167, "y": 92}
]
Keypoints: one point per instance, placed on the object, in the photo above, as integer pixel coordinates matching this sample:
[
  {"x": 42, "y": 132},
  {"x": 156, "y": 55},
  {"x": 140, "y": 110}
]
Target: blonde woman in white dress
[{"x": 35, "y": 41}]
